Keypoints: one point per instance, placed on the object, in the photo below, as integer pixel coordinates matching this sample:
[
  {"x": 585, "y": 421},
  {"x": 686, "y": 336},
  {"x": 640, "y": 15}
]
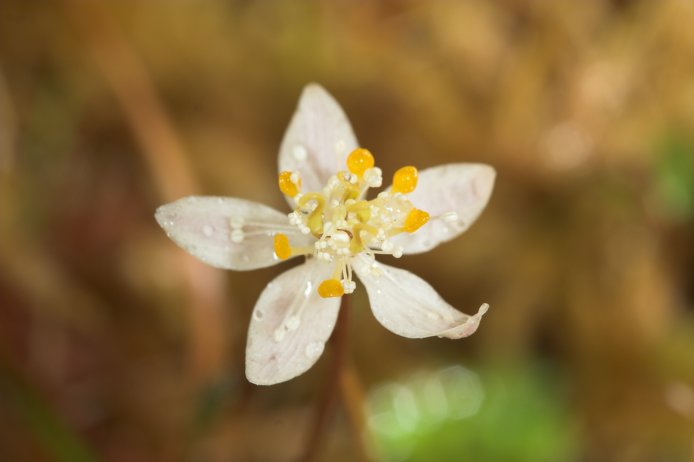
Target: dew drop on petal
[
  {"x": 258, "y": 315},
  {"x": 299, "y": 152},
  {"x": 308, "y": 290},
  {"x": 279, "y": 334},
  {"x": 292, "y": 323},
  {"x": 314, "y": 349},
  {"x": 207, "y": 230}
]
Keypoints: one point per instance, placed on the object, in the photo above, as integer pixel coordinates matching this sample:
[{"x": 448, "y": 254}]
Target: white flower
[{"x": 325, "y": 176}]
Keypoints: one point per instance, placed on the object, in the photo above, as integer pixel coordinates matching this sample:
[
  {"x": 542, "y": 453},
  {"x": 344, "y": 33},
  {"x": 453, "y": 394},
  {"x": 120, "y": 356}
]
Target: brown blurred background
[{"x": 116, "y": 346}]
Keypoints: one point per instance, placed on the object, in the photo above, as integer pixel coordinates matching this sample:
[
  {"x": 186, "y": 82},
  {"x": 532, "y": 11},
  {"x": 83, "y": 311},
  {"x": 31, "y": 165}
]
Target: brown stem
[
  {"x": 325, "y": 409},
  {"x": 352, "y": 395},
  {"x": 342, "y": 383}
]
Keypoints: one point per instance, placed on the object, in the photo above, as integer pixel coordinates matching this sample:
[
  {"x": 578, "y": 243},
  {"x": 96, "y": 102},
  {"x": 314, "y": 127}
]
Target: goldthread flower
[{"x": 325, "y": 176}]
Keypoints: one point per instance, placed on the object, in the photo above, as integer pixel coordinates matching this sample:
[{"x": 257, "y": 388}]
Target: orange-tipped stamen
[
  {"x": 290, "y": 183},
  {"x": 415, "y": 220},
  {"x": 331, "y": 288},
  {"x": 282, "y": 248},
  {"x": 359, "y": 161},
  {"x": 405, "y": 180}
]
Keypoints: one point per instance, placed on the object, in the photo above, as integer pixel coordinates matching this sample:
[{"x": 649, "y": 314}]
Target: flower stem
[{"x": 342, "y": 383}]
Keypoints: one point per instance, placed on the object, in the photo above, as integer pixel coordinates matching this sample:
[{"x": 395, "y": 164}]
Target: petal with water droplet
[
  {"x": 290, "y": 335},
  {"x": 406, "y": 305},
  {"x": 318, "y": 140},
  {"x": 459, "y": 192},
  {"x": 203, "y": 226}
]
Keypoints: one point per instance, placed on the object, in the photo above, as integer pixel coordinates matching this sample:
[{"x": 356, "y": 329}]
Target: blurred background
[{"x": 116, "y": 346}]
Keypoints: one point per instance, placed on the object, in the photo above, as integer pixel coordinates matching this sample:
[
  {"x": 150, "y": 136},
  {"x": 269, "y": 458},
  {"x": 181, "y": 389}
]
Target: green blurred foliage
[
  {"x": 513, "y": 414},
  {"x": 675, "y": 176}
]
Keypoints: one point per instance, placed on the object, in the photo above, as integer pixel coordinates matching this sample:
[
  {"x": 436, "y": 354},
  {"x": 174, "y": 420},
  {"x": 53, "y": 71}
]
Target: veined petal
[
  {"x": 227, "y": 232},
  {"x": 457, "y": 194},
  {"x": 318, "y": 140},
  {"x": 290, "y": 325},
  {"x": 406, "y": 305}
]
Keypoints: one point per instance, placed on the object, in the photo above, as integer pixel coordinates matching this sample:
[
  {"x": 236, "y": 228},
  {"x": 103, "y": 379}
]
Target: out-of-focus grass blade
[
  {"x": 675, "y": 177},
  {"x": 57, "y": 439}
]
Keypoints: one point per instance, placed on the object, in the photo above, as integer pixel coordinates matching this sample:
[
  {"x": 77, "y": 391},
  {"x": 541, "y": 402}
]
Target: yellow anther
[
  {"x": 282, "y": 248},
  {"x": 331, "y": 288},
  {"x": 287, "y": 185},
  {"x": 415, "y": 220},
  {"x": 359, "y": 161},
  {"x": 405, "y": 180}
]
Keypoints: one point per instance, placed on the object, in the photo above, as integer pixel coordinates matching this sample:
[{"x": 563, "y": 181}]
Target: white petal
[
  {"x": 290, "y": 325},
  {"x": 406, "y": 305},
  {"x": 461, "y": 191},
  {"x": 318, "y": 140},
  {"x": 205, "y": 227}
]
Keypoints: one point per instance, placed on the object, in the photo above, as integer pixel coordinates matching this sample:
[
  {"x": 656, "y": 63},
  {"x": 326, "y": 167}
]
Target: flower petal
[
  {"x": 290, "y": 325},
  {"x": 205, "y": 226},
  {"x": 318, "y": 140},
  {"x": 406, "y": 305},
  {"x": 463, "y": 189}
]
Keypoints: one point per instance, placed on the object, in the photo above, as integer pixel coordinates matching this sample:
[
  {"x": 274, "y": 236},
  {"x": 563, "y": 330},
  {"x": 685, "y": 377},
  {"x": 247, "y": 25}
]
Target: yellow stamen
[
  {"x": 287, "y": 186},
  {"x": 415, "y": 220},
  {"x": 361, "y": 210},
  {"x": 331, "y": 288},
  {"x": 359, "y": 161},
  {"x": 357, "y": 243},
  {"x": 405, "y": 180},
  {"x": 315, "y": 218},
  {"x": 282, "y": 248}
]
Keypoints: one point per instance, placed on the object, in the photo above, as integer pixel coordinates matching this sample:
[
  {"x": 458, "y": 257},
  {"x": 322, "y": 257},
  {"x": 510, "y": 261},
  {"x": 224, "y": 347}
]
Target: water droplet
[
  {"x": 292, "y": 323},
  {"x": 279, "y": 334},
  {"x": 314, "y": 349},
  {"x": 308, "y": 289},
  {"x": 258, "y": 315},
  {"x": 299, "y": 152},
  {"x": 207, "y": 230}
]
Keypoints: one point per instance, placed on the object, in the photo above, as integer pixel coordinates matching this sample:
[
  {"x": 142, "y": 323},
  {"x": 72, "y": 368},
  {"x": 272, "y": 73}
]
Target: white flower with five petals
[{"x": 325, "y": 176}]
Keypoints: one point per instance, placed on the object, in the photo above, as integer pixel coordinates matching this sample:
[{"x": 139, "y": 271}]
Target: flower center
[{"x": 344, "y": 223}]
